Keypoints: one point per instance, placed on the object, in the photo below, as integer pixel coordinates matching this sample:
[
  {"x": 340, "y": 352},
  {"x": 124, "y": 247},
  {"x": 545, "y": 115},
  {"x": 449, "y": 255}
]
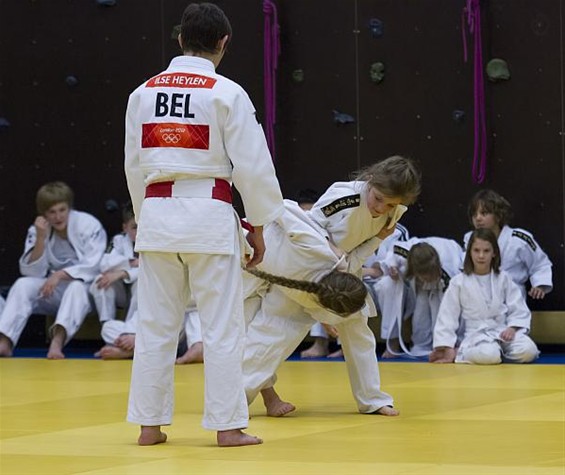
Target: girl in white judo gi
[
  {"x": 416, "y": 274},
  {"x": 189, "y": 133},
  {"x": 492, "y": 308},
  {"x": 357, "y": 216},
  {"x": 116, "y": 286},
  {"x": 280, "y": 317},
  {"x": 61, "y": 258},
  {"x": 521, "y": 256}
]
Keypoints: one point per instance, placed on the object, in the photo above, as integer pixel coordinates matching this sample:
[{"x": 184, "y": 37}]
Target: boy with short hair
[{"x": 62, "y": 255}]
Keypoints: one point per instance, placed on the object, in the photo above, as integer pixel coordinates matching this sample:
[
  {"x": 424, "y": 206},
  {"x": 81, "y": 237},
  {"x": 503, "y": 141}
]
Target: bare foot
[
  {"x": 236, "y": 438},
  {"x": 195, "y": 354},
  {"x": 276, "y": 407},
  {"x": 386, "y": 411},
  {"x": 336, "y": 354},
  {"x": 443, "y": 355},
  {"x": 318, "y": 349},
  {"x": 5, "y": 346},
  {"x": 393, "y": 349},
  {"x": 151, "y": 435},
  {"x": 55, "y": 354},
  {"x": 387, "y": 354},
  {"x": 57, "y": 341},
  {"x": 110, "y": 352}
]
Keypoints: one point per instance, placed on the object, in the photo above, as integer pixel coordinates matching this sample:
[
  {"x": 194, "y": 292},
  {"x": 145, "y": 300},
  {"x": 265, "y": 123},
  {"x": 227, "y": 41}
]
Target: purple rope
[
  {"x": 271, "y": 52},
  {"x": 472, "y": 12}
]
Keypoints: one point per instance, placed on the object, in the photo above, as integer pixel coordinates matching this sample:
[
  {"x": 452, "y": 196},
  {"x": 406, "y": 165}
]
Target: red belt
[{"x": 164, "y": 189}]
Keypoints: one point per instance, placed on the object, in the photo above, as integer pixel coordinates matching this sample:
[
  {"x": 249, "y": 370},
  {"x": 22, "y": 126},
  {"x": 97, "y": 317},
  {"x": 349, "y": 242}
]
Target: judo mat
[{"x": 68, "y": 417}]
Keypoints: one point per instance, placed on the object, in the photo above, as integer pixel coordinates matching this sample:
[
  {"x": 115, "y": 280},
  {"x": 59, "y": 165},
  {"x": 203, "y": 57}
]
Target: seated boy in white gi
[
  {"x": 116, "y": 286},
  {"x": 63, "y": 249}
]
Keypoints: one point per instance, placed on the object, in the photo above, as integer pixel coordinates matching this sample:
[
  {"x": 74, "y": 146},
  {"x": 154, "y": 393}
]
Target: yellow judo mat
[{"x": 68, "y": 417}]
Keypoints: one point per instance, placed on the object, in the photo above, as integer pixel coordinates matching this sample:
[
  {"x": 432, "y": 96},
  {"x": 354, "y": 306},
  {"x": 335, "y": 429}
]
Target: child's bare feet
[
  {"x": 276, "y": 407},
  {"x": 5, "y": 346},
  {"x": 443, "y": 355},
  {"x": 57, "y": 341},
  {"x": 151, "y": 435},
  {"x": 55, "y": 354},
  {"x": 110, "y": 352},
  {"x": 195, "y": 354},
  {"x": 236, "y": 438},
  {"x": 318, "y": 349},
  {"x": 336, "y": 354},
  {"x": 387, "y": 411},
  {"x": 393, "y": 349}
]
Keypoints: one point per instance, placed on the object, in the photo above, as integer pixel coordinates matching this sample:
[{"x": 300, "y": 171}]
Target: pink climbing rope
[
  {"x": 472, "y": 15},
  {"x": 271, "y": 53}
]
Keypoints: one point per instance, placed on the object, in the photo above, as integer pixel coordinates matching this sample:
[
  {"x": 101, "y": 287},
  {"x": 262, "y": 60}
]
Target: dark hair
[
  {"x": 341, "y": 292},
  {"x": 307, "y": 195},
  {"x": 203, "y": 25},
  {"x": 395, "y": 176},
  {"x": 423, "y": 259},
  {"x": 127, "y": 212},
  {"x": 491, "y": 202},
  {"x": 485, "y": 235},
  {"x": 53, "y": 193}
]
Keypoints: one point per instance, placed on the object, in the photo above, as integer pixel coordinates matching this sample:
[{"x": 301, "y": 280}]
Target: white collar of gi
[{"x": 193, "y": 61}]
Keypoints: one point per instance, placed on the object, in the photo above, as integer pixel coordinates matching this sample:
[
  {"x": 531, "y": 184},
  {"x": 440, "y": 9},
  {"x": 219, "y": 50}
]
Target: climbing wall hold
[
  {"x": 298, "y": 75},
  {"x": 111, "y": 205},
  {"x": 458, "y": 116},
  {"x": 4, "y": 123},
  {"x": 377, "y": 72},
  {"x": 497, "y": 70},
  {"x": 175, "y": 32},
  {"x": 341, "y": 118},
  {"x": 71, "y": 81},
  {"x": 376, "y": 27}
]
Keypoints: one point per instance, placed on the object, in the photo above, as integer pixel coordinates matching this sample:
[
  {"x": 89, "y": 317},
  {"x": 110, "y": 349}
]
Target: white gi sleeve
[
  {"x": 253, "y": 171},
  {"x": 538, "y": 265},
  {"x": 519, "y": 314},
  {"x": 448, "y": 317},
  {"x": 37, "y": 268},
  {"x": 88, "y": 237},
  {"x": 134, "y": 173}
]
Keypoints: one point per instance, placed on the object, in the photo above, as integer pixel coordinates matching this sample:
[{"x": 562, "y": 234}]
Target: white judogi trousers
[
  {"x": 166, "y": 281},
  {"x": 69, "y": 303},
  {"x": 277, "y": 328},
  {"x": 109, "y": 299}
]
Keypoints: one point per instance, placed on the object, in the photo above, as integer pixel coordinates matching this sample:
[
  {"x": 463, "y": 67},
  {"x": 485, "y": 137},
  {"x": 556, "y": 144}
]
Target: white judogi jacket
[
  {"x": 397, "y": 300},
  {"x": 190, "y": 123},
  {"x": 450, "y": 255},
  {"x": 464, "y": 300},
  {"x": 308, "y": 257},
  {"x": 343, "y": 214},
  {"x": 118, "y": 257},
  {"x": 522, "y": 257},
  {"x": 296, "y": 249},
  {"x": 87, "y": 237}
]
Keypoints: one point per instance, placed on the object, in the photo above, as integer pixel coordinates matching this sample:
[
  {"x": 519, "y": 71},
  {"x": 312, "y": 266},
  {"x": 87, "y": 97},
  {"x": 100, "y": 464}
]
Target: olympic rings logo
[{"x": 171, "y": 138}]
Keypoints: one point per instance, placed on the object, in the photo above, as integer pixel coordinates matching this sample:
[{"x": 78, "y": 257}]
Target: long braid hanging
[{"x": 304, "y": 285}]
